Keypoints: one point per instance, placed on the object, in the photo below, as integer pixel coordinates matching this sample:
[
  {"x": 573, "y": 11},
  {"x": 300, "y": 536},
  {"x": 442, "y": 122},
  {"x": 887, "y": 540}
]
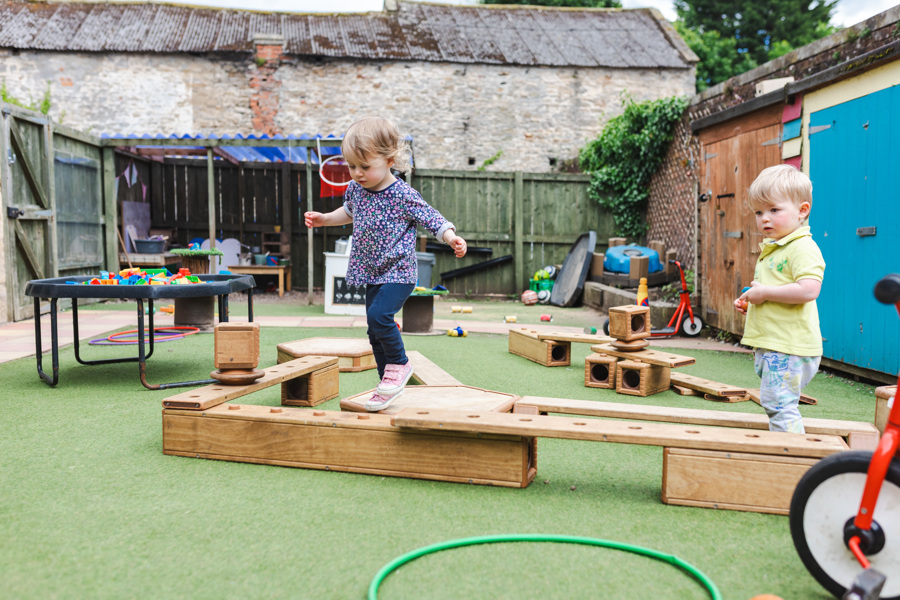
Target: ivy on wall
[{"x": 624, "y": 157}]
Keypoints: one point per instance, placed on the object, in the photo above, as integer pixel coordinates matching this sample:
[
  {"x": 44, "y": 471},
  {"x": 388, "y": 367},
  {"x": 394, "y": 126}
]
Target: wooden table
[
  {"x": 148, "y": 260},
  {"x": 283, "y": 272}
]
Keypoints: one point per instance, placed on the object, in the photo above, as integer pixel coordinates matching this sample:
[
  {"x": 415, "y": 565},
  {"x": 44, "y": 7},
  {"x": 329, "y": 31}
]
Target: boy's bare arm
[{"x": 799, "y": 292}]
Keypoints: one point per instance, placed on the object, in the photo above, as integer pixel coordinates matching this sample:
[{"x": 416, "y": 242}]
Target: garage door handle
[{"x": 865, "y": 231}]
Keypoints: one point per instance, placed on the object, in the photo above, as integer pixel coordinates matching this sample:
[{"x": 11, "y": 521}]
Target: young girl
[{"x": 384, "y": 211}]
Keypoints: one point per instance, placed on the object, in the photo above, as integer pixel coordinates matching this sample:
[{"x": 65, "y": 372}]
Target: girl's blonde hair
[
  {"x": 775, "y": 183},
  {"x": 375, "y": 136}
]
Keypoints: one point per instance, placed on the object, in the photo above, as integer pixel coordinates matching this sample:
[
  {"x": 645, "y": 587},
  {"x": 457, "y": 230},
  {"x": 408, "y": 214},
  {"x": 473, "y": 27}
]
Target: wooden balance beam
[
  {"x": 702, "y": 466},
  {"x": 350, "y": 442},
  {"x": 426, "y": 372},
  {"x": 857, "y": 435}
]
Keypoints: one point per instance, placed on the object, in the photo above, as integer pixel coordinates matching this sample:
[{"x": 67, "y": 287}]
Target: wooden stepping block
[
  {"x": 426, "y": 372},
  {"x": 354, "y": 354},
  {"x": 652, "y": 357},
  {"x": 634, "y": 378},
  {"x": 629, "y": 323},
  {"x": 713, "y": 388},
  {"x": 299, "y": 369},
  {"x": 460, "y": 397},
  {"x": 348, "y": 442},
  {"x": 526, "y": 343},
  {"x": 883, "y": 395},
  {"x": 600, "y": 371}
]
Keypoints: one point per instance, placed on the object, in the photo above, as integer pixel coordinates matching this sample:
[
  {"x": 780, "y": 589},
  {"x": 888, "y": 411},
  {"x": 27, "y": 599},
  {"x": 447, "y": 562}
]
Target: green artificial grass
[{"x": 91, "y": 508}]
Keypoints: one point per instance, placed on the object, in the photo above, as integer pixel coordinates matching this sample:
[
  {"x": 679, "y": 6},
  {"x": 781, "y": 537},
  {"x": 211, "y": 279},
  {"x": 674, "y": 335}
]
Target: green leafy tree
[
  {"x": 561, "y": 3},
  {"x": 624, "y": 157},
  {"x": 719, "y": 57},
  {"x": 761, "y": 28}
]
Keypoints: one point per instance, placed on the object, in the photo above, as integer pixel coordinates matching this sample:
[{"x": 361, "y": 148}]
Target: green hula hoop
[{"x": 563, "y": 539}]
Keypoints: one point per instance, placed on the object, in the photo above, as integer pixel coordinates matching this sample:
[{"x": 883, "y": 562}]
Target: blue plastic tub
[{"x": 618, "y": 258}]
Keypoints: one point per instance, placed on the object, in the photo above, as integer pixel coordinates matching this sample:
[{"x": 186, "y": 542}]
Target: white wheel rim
[
  {"x": 693, "y": 325},
  {"x": 322, "y": 174},
  {"x": 832, "y": 504}
]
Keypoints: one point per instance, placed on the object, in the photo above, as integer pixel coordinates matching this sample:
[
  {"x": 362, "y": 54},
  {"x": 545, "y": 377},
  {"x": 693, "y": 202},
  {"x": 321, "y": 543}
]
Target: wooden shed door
[
  {"x": 733, "y": 154},
  {"x": 855, "y": 170},
  {"x": 27, "y": 206}
]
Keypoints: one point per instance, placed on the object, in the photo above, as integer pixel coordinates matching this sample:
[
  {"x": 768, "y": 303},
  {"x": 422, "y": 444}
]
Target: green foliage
[
  {"x": 671, "y": 291},
  {"x": 719, "y": 57},
  {"x": 624, "y": 157},
  {"x": 189, "y": 252},
  {"x": 560, "y": 3},
  {"x": 43, "y": 107},
  {"x": 758, "y": 24},
  {"x": 490, "y": 161}
]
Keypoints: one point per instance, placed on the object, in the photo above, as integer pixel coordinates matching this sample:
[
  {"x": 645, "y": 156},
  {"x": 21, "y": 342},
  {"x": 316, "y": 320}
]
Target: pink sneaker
[
  {"x": 378, "y": 402},
  {"x": 395, "y": 378}
]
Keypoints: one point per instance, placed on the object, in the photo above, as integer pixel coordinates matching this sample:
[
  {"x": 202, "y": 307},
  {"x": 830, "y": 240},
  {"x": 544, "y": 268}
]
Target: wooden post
[
  {"x": 211, "y": 195},
  {"x": 110, "y": 208},
  {"x": 518, "y": 209},
  {"x": 309, "y": 231}
]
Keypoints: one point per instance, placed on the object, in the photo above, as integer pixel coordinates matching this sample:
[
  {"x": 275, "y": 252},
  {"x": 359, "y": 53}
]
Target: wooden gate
[{"x": 733, "y": 155}]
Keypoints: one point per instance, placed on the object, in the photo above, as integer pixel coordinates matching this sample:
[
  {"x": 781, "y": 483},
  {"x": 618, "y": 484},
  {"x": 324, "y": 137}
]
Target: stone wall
[{"x": 459, "y": 115}]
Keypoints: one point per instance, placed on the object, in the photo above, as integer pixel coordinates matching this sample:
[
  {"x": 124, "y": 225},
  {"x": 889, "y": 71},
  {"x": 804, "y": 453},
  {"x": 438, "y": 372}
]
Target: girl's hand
[
  {"x": 314, "y": 219},
  {"x": 458, "y": 244}
]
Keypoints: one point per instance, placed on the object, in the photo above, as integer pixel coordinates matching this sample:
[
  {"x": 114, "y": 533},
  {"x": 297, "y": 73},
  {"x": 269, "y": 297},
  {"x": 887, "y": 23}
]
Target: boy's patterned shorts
[{"x": 783, "y": 376}]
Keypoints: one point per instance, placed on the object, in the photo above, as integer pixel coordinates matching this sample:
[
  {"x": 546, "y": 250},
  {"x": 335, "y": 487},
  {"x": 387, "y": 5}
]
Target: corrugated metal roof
[{"x": 416, "y": 31}]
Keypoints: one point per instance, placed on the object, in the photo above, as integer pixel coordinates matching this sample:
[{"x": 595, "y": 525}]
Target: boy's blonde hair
[
  {"x": 375, "y": 136},
  {"x": 775, "y": 183}
]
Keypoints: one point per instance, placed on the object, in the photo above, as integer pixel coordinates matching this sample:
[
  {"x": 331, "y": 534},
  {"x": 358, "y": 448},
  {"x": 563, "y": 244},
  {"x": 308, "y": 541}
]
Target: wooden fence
[{"x": 534, "y": 217}]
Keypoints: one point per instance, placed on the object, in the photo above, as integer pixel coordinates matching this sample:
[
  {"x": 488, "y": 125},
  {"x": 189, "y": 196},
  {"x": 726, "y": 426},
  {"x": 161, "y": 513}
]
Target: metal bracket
[
  {"x": 866, "y": 231},
  {"x": 14, "y": 213}
]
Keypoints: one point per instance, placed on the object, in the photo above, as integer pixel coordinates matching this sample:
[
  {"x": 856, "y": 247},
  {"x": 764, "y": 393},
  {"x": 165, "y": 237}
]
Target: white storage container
[{"x": 340, "y": 298}]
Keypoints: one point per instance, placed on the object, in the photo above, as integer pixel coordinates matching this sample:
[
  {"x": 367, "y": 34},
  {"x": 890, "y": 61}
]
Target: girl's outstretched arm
[
  {"x": 457, "y": 243},
  {"x": 338, "y": 216}
]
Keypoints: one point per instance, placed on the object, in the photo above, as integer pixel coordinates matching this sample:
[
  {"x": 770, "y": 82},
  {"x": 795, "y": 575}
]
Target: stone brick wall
[{"x": 459, "y": 115}]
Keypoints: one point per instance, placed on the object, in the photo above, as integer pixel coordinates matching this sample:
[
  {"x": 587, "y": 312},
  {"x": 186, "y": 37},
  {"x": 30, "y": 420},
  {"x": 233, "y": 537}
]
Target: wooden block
[
  {"x": 525, "y": 343},
  {"x": 350, "y": 442},
  {"x": 217, "y": 393},
  {"x": 684, "y": 391},
  {"x": 600, "y": 371},
  {"x": 312, "y": 389},
  {"x": 638, "y": 266},
  {"x": 616, "y": 241},
  {"x": 670, "y": 268},
  {"x": 714, "y": 388},
  {"x": 883, "y": 396},
  {"x": 728, "y": 399},
  {"x": 622, "y": 432},
  {"x": 426, "y": 372},
  {"x": 731, "y": 480},
  {"x": 236, "y": 345},
  {"x": 597, "y": 264},
  {"x": 630, "y": 322},
  {"x": 652, "y": 357},
  {"x": 859, "y": 436},
  {"x": 354, "y": 354},
  {"x": 583, "y": 338},
  {"x": 635, "y": 378},
  {"x": 660, "y": 248},
  {"x": 456, "y": 397}
]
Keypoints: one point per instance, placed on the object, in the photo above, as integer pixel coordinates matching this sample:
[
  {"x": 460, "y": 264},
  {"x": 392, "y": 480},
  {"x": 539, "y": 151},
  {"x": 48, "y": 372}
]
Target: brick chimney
[{"x": 265, "y": 99}]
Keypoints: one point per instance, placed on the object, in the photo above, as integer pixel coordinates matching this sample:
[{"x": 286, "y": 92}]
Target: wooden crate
[
  {"x": 882, "y": 395},
  {"x": 629, "y": 323},
  {"x": 525, "y": 342},
  {"x": 311, "y": 389},
  {"x": 236, "y": 345},
  {"x": 634, "y": 378},
  {"x": 731, "y": 480},
  {"x": 353, "y": 354},
  {"x": 600, "y": 371},
  {"x": 350, "y": 442}
]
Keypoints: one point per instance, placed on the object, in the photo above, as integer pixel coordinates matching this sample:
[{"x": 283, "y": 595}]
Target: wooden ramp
[
  {"x": 426, "y": 372},
  {"x": 354, "y": 354},
  {"x": 340, "y": 441},
  {"x": 858, "y": 435},
  {"x": 457, "y": 397}
]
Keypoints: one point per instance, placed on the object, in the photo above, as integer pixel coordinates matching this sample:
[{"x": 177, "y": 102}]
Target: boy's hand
[
  {"x": 314, "y": 219},
  {"x": 457, "y": 243},
  {"x": 755, "y": 294}
]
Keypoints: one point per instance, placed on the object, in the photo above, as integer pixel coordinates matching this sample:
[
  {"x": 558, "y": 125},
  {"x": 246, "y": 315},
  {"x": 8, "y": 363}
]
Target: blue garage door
[{"x": 855, "y": 169}]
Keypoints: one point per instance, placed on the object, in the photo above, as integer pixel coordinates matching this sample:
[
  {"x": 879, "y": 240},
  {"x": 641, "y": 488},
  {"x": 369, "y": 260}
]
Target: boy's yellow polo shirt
[{"x": 788, "y": 328}]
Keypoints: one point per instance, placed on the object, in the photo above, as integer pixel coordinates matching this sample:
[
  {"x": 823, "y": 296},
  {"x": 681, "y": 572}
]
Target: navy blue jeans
[{"x": 383, "y": 301}]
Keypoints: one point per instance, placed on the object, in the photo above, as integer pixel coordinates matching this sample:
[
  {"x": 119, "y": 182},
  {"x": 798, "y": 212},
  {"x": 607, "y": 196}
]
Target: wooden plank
[
  {"x": 648, "y": 434},
  {"x": 652, "y": 357},
  {"x": 215, "y": 394},
  {"x": 706, "y": 386},
  {"x": 426, "y": 372},
  {"x": 683, "y": 391},
  {"x": 689, "y": 416},
  {"x": 580, "y": 338},
  {"x": 731, "y": 480},
  {"x": 349, "y": 442},
  {"x": 456, "y": 397},
  {"x": 753, "y": 394},
  {"x": 354, "y": 354},
  {"x": 727, "y": 399}
]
